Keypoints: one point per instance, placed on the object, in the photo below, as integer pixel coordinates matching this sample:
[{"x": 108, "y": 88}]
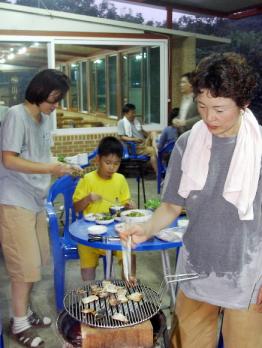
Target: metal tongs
[
  {"x": 175, "y": 278},
  {"x": 126, "y": 254}
]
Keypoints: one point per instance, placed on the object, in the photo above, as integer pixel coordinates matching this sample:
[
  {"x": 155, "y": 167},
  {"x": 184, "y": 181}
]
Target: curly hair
[{"x": 225, "y": 75}]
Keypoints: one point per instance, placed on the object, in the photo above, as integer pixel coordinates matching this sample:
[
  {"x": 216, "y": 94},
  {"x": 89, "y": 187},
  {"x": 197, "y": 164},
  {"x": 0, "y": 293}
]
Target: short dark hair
[
  {"x": 226, "y": 75},
  {"x": 189, "y": 76},
  {"x": 45, "y": 82},
  {"x": 127, "y": 107},
  {"x": 110, "y": 146}
]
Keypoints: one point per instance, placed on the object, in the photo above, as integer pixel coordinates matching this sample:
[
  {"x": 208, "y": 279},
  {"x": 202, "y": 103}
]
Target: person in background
[
  {"x": 25, "y": 173},
  {"x": 96, "y": 193},
  {"x": 188, "y": 114},
  {"x": 130, "y": 129},
  {"x": 170, "y": 132},
  {"x": 215, "y": 173}
]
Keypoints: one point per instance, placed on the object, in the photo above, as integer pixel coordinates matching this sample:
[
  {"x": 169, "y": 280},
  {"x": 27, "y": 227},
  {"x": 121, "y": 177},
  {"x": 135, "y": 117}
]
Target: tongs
[
  {"x": 175, "y": 278},
  {"x": 126, "y": 254},
  {"x": 97, "y": 238}
]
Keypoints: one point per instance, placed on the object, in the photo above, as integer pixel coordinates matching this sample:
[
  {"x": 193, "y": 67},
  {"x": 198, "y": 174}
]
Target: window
[
  {"x": 83, "y": 89},
  {"x": 75, "y": 86},
  {"x": 112, "y": 85},
  {"x": 98, "y": 87},
  {"x": 105, "y": 73}
]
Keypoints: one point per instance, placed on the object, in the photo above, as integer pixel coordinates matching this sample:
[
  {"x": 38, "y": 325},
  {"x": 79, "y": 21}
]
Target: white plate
[
  {"x": 96, "y": 229},
  {"x": 172, "y": 234},
  {"x": 136, "y": 219},
  {"x": 104, "y": 222},
  {"x": 90, "y": 217}
]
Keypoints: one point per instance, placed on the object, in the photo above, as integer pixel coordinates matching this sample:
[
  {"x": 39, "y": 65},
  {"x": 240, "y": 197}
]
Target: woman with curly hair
[{"x": 215, "y": 173}]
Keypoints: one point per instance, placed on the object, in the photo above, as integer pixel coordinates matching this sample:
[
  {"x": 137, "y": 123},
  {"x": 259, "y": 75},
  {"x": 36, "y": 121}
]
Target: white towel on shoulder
[
  {"x": 128, "y": 128},
  {"x": 242, "y": 179}
]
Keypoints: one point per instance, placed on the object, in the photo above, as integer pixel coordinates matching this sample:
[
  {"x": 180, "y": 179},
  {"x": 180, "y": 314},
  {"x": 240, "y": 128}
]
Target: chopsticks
[{"x": 126, "y": 253}]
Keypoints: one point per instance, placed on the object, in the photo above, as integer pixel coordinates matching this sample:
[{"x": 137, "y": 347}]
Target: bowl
[
  {"x": 90, "y": 217},
  {"x": 116, "y": 209},
  {"x": 97, "y": 229},
  {"x": 136, "y": 215}
]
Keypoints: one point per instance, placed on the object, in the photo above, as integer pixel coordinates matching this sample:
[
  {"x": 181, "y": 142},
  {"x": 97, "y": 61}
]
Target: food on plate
[
  {"x": 89, "y": 299},
  {"x": 120, "y": 317},
  {"x": 104, "y": 217},
  {"x": 135, "y": 214},
  {"x": 135, "y": 296}
]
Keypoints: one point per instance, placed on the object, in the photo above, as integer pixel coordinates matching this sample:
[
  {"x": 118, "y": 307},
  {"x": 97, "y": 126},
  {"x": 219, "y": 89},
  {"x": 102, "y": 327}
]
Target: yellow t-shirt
[{"x": 110, "y": 189}]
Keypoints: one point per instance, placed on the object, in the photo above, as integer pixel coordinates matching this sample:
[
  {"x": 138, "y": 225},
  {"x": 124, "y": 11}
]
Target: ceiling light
[
  {"x": 10, "y": 56},
  {"x": 22, "y": 50}
]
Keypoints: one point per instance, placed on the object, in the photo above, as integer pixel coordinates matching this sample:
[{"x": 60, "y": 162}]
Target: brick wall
[{"x": 70, "y": 145}]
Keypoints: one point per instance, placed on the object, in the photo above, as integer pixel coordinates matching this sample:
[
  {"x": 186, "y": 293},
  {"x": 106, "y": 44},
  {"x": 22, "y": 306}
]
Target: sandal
[
  {"x": 36, "y": 321},
  {"x": 26, "y": 338}
]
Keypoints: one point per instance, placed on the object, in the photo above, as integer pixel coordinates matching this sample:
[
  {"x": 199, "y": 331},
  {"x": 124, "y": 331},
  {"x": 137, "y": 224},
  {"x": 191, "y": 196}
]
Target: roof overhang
[{"x": 234, "y": 9}]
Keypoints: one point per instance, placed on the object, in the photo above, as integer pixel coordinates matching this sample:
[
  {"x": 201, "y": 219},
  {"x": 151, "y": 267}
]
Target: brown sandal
[
  {"x": 26, "y": 337},
  {"x": 37, "y": 322}
]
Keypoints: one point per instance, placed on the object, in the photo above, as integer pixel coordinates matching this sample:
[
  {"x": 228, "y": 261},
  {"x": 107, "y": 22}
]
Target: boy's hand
[{"x": 93, "y": 197}]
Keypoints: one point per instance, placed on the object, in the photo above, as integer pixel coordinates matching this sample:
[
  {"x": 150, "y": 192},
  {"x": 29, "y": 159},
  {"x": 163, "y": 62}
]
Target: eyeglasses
[{"x": 53, "y": 101}]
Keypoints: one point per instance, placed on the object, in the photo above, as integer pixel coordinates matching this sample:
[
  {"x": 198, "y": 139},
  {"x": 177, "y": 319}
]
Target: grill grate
[{"x": 136, "y": 312}]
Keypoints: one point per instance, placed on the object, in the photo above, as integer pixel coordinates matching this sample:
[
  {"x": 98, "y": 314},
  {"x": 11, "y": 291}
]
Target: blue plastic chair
[
  {"x": 130, "y": 157},
  {"x": 63, "y": 248},
  {"x": 162, "y": 164}
]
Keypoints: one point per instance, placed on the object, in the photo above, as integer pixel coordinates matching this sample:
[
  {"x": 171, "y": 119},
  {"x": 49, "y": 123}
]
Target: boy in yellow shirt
[{"x": 93, "y": 194}]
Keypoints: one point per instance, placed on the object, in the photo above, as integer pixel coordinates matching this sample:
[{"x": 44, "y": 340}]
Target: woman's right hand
[{"x": 139, "y": 233}]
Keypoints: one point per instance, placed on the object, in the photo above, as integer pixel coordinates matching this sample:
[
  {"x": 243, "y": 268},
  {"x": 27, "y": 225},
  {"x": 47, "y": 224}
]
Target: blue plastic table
[{"x": 79, "y": 233}]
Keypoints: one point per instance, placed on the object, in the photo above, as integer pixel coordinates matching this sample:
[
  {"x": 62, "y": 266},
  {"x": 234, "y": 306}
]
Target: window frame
[{"x": 52, "y": 41}]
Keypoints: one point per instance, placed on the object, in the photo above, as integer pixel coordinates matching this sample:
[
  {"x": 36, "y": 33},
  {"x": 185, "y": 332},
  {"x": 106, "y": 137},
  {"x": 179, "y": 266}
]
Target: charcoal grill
[{"x": 136, "y": 312}]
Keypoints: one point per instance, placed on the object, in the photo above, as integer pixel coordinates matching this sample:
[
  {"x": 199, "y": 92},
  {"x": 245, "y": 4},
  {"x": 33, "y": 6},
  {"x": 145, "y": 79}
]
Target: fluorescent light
[
  {"x": 10, "y": 56},
  {"x": 22, "y": 50}
]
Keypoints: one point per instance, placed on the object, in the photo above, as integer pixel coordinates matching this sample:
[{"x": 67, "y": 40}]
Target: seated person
[
  {"x": 94, "y": 193},
  {"x": 188, "y": 114},
  {"x": 130, "y": 129},
  {"x": 170, "y": 132}
]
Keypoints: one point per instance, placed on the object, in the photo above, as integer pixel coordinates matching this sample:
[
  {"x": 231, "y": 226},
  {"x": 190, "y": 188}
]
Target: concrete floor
[{"x": 149, "y": 271}]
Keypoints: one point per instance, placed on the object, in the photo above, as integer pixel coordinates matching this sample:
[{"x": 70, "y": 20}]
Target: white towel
[
  {"x": 242, "y": 179},
  {"x": 128, "y": 128}
]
